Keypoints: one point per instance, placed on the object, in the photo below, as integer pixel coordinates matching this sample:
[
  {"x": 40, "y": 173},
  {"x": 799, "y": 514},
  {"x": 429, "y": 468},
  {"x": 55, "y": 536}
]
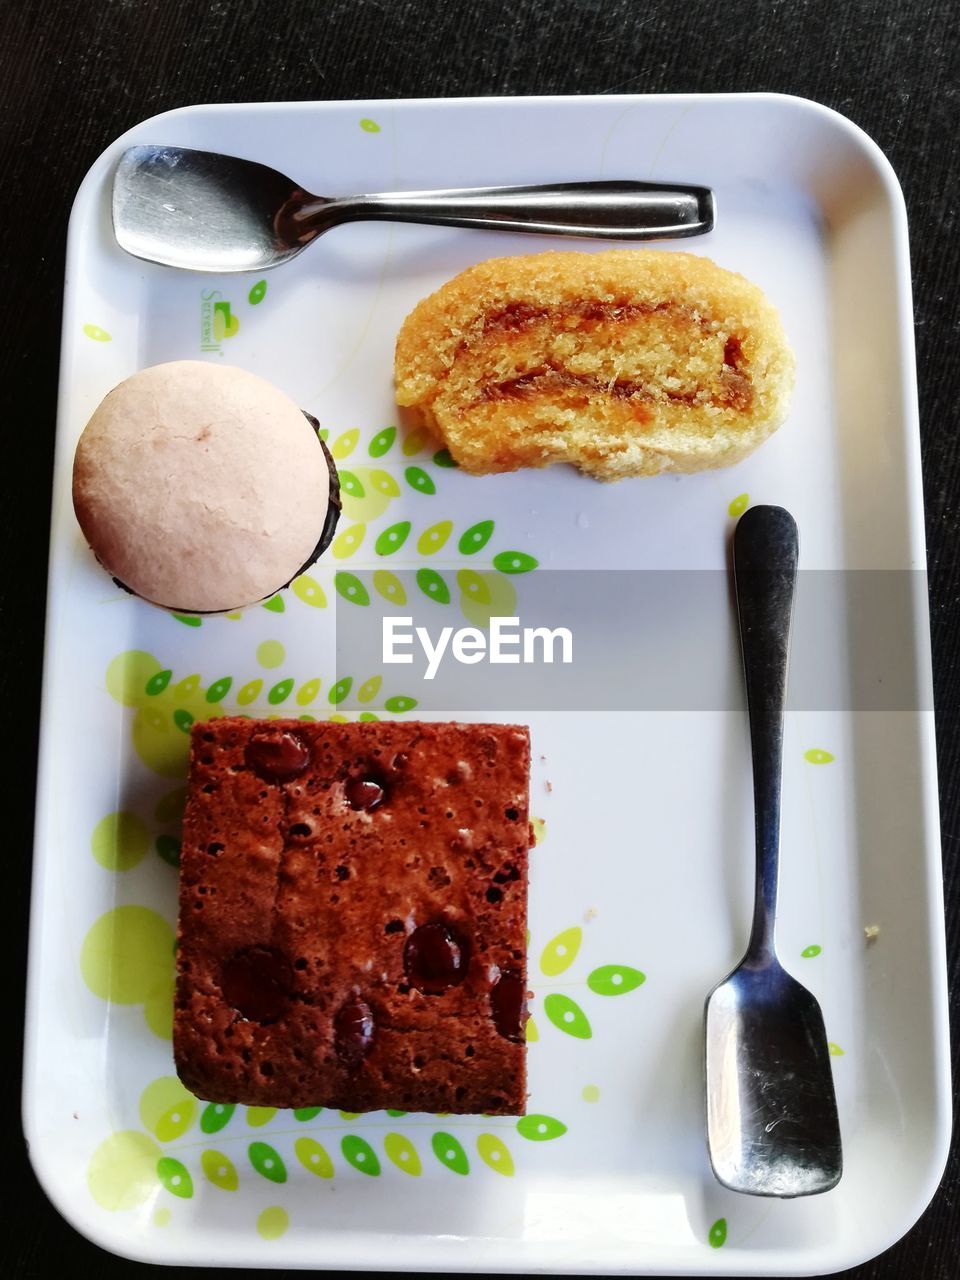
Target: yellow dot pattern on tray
[
  {"x": 369, "y": 689},
  {"x": 127, "y": 955},
  {"x": 346, "y": 543},
  {"x": 434, "y": 538},
  {"x": 158, "y": 1011},
  {"x": 369, "y": 126},
  {"x": 307, "y": 692},
  {"x": 560, "y": 952},
  {"x": 249, "y": 692},
  {"x": 539, "y": 829},
  {"x": 309, "y": 591},
  {"x": 389, "y": 586},
  {"x": 739, "y": 505},
  {"x": 345, "y": 444},
  {"x": 120, "y": 841},
  {"x": 161, "y": 1217},
  {"x": 495, "y": 1154},
  {"x": 484, "y": 595},
  {"x": 414, "y": 441},
  {"x": 271, "y": 653},
  {"x": 167, "y": 1109},
  {"x": 590, "y": 1093},
  {"x": 273, "y": 1222},
  {"x": 816, "y": 755},
  {"x": 127, "y": 676},
  {"x": 96, "y": 333},
  {"x": 123, "y": 1170}
]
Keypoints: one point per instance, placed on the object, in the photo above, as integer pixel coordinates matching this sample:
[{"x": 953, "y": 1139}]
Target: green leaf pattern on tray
[
  {"x": 366, "y": 493},
  {"x": 393, "y": 538},
  {"x": 358, "y": 1152},
  {"x": 168, "y": 1111},
  {"x": 615, "y": 980},
  {"x": 433, "y": 586},
  {"x": 450, "y": 1152},
  {"x": 538, "y": 1128},
  {"x": 168, "y": 848},
  {"x": 476, "y": 538},
  {"x": 219, "y": 689},
  {"x": 351, "y": 588},
  {"x": 514, "y": 562},
  {"x": 382, "y": 442},
  {"x": 566, "y": 1015},
  {"x": 267, "y": 1162},
  {"x": 557, "y": 958},
  {"x": 303, "y": 1114},
  {"x": 216, "y": 1116},
  {"x": 419, "y": 480},
  {"x": 175, "y": 1177},
  {"x": 280, "y": 692},
  {"x": 468, "y": 570}
]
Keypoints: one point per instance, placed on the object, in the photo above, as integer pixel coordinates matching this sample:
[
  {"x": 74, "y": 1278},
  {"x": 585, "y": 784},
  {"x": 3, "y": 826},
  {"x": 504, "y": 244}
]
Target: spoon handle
[
  {"x": 765, "y": 553},
  {"x": 611, "y": 210}
]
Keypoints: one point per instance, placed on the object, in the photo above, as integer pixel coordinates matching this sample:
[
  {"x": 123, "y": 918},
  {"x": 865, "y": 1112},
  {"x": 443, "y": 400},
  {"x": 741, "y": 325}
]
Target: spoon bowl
[
  {"x": 771, "y": 1111},
  {"x": 200, "y": 210}
]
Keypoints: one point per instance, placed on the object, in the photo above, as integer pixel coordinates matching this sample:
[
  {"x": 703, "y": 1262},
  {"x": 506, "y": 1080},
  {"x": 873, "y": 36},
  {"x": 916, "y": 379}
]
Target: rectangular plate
[{"x": 646, "y": 860}]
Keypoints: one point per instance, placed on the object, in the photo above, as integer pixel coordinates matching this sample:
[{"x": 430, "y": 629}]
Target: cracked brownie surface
[{"x": 353, "y": 916}]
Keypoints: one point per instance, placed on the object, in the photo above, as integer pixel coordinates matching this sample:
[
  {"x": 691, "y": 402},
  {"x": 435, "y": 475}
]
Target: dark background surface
[{"x": 74, "y": 75}]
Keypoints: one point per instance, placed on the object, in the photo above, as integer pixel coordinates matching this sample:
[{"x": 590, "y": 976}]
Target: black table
[{"x": 74, "y": 75}]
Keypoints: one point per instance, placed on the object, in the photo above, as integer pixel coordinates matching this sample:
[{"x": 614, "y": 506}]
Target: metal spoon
[
  {"x": 209, "y": 212},
  {"x": 771, "y": 1109}
]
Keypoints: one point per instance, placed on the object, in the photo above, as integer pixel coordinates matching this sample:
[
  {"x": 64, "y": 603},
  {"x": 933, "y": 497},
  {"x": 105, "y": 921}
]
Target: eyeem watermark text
[{"x": 505, "y": 642}]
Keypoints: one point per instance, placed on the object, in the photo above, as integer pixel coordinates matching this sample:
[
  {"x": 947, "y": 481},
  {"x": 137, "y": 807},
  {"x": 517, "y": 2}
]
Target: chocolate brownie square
[{"x": 353, "y": 916}]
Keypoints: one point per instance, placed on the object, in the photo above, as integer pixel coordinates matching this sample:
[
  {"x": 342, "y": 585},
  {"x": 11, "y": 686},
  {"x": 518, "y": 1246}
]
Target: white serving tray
[{"x": 647, "y": 855}]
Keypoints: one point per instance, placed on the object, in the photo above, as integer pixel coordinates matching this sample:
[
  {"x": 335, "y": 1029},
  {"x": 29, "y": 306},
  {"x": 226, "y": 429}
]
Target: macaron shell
[{"x": 202, "y": 487}]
